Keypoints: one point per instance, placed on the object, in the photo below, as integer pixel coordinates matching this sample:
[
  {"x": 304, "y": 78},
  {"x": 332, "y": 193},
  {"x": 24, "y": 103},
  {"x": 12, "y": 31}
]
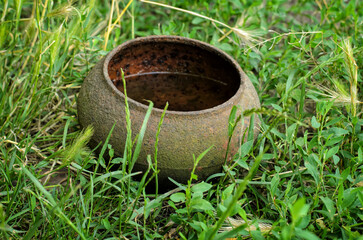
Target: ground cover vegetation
[{"x": 300, "y": 179}]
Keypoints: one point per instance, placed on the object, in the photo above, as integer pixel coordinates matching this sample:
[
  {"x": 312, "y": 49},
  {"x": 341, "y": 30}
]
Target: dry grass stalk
[
  {"x": 110, "y": 27},
  {"x": 247, "y": 37}
]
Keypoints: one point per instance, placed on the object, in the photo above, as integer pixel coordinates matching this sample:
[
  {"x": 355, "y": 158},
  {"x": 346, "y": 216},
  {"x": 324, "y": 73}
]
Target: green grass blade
[
  {"x": 53, "y": 203},
  {"x": 240, "y": 189},
  {"x": 141, "y": 136}
]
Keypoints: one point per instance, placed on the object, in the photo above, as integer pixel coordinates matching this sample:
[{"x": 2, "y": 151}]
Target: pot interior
[{"x": 188, "y": 75}]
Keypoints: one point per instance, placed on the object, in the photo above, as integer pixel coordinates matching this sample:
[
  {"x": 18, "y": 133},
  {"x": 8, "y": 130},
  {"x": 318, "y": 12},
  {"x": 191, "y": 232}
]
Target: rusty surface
[
  {"x": 201, "y": 84},
  {"x": 188, "y": 76}
]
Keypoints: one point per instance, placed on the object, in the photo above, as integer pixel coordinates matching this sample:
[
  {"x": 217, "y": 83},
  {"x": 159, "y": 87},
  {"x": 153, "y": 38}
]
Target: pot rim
[{"x": 184, "y": 40}]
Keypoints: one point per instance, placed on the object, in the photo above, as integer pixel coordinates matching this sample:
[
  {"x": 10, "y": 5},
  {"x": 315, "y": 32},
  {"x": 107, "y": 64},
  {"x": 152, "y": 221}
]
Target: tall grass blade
[
  {"x": 53, "y": 204},
  {"x": 140, "y": 137},
  {"x": 128, "y": 143},
  {"x": 240, "y": 189},
  {"x": 18, "y": 7},
  {"x": 156, "y": 149}
]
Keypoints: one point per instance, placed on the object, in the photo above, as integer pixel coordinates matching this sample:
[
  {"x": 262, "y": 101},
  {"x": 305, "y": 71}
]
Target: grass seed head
[{"x": 66, "y": 10}]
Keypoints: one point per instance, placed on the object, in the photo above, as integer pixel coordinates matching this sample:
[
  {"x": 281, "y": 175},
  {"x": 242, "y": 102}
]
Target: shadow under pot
[{"x": 201, "y": 84}]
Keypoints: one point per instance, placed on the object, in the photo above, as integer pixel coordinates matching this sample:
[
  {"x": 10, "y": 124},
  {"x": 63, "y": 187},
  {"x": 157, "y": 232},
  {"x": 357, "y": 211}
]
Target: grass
[{"x": 300, "y": 179}]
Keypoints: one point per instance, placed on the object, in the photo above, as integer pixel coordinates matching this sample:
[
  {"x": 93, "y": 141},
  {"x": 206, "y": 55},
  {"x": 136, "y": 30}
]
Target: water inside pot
[
  {"x": 183, "y": 91},
  {"x": 189, "y": 75}
]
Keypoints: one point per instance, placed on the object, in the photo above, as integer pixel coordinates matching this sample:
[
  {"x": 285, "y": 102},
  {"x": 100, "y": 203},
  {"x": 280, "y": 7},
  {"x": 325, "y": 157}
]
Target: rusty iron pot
[{"x": 201, "y": 84}]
